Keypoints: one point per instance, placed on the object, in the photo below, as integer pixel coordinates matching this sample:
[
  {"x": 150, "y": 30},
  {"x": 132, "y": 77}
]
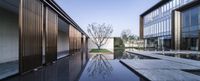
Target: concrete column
[
  {"x": 176, "y": 27},
  {"x": 196, "y": 47},
  {"x": 198, "y": 42},
  {"x": 163, "y": 48},
  {"x": 158, "y": 43},
  {"x": 145, "y": 44}
]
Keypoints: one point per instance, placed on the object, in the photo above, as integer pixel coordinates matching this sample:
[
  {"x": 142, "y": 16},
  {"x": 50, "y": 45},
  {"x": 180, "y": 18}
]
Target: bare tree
[
  {"x": 128, "y": 37},
  {"x": 99, "y": 33},
  {"x": 125, "y": 35}
]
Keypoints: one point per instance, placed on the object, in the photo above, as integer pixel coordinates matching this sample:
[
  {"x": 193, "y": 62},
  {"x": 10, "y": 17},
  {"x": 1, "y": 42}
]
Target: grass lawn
[{"x": 100, "y": 51}]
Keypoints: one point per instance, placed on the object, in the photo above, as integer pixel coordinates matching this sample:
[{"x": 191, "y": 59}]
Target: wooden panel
[
  {"x": 141, "y": 27},
  {"x": 31, "y": 24},
  {"x": 86, "y": 47},
  {"x": 71, "y": 39},
  {"x": 51, "y": 36},
  {"x": 75, "y": 40}
]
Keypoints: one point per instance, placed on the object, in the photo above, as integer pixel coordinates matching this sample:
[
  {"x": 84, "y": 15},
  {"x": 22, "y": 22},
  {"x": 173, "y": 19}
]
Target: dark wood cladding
[
  {"x": 83, "y": 43},
  {"x": 38, "y": 22},
  {"x": 86, "y": 47},
  {"x": 141, "y": 27},
  {"x": 74, "y": 39},
  {"x": 51, "y": 36},
  {"x": 31, "y": 26}
]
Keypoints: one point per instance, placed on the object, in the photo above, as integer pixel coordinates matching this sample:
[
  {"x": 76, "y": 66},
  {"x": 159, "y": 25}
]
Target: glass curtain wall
[
  {"x": 9, "y": 37},
  {"x": 157, "y": 25},
  {"x": 190, "y": 28}
]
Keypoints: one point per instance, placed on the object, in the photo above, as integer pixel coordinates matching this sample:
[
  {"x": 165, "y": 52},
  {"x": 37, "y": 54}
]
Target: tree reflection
[{"x": 100, "y": 67}]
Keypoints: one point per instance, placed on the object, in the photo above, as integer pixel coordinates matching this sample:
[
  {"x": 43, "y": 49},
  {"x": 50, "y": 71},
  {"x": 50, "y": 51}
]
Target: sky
[{"x": 121, "y": 14}]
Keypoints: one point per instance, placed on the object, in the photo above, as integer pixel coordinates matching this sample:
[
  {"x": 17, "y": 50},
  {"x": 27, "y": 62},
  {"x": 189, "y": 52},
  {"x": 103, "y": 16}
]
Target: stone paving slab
[
  {"x": 175, "y": 52},
  {"x": 158, "y": 64},
  {"x": 157, "y": 70},
  {"x": 168, "y": 75},
  {"x": 165, "y": 68},
  {"x": 174, "y": 59}
]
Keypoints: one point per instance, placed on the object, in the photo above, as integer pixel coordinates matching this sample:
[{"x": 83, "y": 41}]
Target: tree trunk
[{"x": 99, "y": 47}]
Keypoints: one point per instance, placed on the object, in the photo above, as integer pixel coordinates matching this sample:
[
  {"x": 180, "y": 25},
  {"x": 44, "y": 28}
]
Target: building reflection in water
[
  {"x": 99, "y": 66},
  {"x": 65, "y": 69}
]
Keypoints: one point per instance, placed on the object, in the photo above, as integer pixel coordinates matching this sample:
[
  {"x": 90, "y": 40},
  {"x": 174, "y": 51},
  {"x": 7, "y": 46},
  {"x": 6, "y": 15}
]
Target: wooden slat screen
[
  {"x": 74, "y": 39},
  {"x": 51, "y": 35},
  {"x": 31, "y": 24},
  {"x": 71, "y": 39}
]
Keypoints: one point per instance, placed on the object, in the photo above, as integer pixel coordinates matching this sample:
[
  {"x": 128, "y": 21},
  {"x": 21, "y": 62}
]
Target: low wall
[
  {"x": 9, "y": 36},
  {"x": 109, "y": 45}
]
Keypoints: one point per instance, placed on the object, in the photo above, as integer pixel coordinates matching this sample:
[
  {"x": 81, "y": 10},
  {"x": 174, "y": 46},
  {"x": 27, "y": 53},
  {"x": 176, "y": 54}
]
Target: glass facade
[
  {"x": 157, "y": 25},
  {"x": 189, "y": 28}
]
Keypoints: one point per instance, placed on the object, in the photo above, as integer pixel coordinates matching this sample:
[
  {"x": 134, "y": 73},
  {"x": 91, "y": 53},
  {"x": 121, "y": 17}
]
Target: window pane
[
  {"x": 194, "y": 17},
  {"x": 186, "y": 18}
]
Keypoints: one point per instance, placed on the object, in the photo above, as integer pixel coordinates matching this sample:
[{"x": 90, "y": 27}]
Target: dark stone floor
[{"x": 65, "y": 69}]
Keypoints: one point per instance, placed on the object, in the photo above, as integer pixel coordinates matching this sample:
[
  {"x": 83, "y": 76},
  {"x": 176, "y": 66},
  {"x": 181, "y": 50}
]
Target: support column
[
  {"x": 145, "y": 44},
  {"x": 176, "y": 29}
]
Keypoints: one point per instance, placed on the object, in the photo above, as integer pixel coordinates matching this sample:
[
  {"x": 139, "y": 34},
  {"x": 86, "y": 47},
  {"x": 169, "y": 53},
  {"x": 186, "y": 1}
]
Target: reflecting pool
[
  {"x": 76, "y": 68},
  {"x": 122, "y": 54},
  {"x": 99, "y": 68},
  {"x": 65, "y": 69}
]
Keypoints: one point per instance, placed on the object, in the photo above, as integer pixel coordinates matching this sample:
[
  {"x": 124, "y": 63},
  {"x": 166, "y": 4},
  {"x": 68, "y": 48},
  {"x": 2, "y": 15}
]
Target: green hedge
[{"x": 100, "y": 51}]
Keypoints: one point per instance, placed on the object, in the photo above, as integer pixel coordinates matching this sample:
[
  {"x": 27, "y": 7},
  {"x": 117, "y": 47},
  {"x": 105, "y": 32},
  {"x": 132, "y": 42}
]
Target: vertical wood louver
[
  {"x": 51, "y": 35},
  {"x": 31, "y": 27},
  {"x": 37, "y": 28},
  {"x": 74, "y": 39}
]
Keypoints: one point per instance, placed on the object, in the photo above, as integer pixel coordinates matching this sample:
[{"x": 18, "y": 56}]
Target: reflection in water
[
  {"x": 129, "y": 56},
  {"x": 122, "y": 54},
  {"x": 99, "y": 67},
  {"x": 118, "y": 53},
  {"x": 65, "y": 69}
]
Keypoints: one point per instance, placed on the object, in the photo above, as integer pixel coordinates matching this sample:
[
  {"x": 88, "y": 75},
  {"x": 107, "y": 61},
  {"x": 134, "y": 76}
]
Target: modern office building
[
  {"x": 35, "y": 33},
  {"x": 172, "y": 25}
]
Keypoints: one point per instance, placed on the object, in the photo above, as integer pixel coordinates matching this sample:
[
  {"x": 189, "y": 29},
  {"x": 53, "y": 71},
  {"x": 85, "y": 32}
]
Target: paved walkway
[{"x": 164, "y": 68}]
